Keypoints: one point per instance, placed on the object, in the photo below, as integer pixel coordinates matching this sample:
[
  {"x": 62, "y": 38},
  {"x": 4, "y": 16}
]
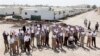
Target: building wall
[
  {"x": 10, "y": 10},
  {"x": 49, "y": 15}
]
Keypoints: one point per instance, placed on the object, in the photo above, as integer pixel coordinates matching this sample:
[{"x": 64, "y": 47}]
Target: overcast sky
[{"x": 52, "y": 2}]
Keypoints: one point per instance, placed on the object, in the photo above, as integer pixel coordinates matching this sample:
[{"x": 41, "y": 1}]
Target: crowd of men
[{"x": 62, "y": 35}]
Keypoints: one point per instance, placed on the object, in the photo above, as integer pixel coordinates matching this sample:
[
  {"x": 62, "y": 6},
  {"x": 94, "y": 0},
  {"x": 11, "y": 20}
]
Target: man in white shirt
[
  {"x": 27, "y": 38},
  {"x": 82, "y": 37},
  {"x": 12, "y": 44},
  {"x": 21, "y": 38},
  {"x": 66, "y": 36},
  {"x": 32, "y": 34},
  {"x": 94, "y": 34},
  {"x": 60, "y": 36},
  {"x": 54, "y": 37},
  {"x": 38, "y": 36}
]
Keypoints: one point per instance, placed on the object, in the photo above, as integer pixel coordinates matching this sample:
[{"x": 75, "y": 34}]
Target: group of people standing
[{"x": 62, "y": 35}]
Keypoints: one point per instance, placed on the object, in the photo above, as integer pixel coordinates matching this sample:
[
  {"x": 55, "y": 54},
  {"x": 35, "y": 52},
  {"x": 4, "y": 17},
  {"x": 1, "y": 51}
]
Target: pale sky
[{"x": 52, "y": 2}]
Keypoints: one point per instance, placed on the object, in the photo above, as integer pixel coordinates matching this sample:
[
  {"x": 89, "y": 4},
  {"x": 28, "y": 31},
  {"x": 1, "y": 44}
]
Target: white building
[
  {"x": 41, "y": 12},
  {"x": 10, "y": 10}
]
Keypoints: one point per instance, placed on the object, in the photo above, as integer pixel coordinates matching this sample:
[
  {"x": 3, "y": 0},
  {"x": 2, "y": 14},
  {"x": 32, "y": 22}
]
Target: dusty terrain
[{"x": 77, "y": 20}]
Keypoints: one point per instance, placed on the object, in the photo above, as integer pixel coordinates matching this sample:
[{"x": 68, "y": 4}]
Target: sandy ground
[{"x": 77, "y": 20}]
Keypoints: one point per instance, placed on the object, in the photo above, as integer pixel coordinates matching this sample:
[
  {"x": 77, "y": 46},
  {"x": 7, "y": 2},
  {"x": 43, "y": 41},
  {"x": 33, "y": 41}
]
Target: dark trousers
[
  {"x": 6, "y": 45},
  {"x": 22, "y": 44},
  {"x": 76, "y": 39},
  {"x": 94, "y": 41},
  {"x": 32, "y": 39},
  {"x": 89, "y": 28},
  {"x": 47, "y": 39},
  {"x": 96, "y": 28},
  {"x": 27, "y": 46},
  {"x": 70, "y": 42},
  {"x": 65, "y": 41}
]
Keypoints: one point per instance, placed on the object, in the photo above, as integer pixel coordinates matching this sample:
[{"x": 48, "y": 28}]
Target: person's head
[
  {"x": 97, "y": 22},
  {"x": 89, "y": 31},
  {"x": 94, "y": 31},
  {"x": 19, "y": 29}
]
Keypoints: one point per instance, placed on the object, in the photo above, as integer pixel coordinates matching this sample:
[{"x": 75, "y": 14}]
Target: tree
[
  {"x": 94, "y": 6},
  {"x": 88, "y": 6}
]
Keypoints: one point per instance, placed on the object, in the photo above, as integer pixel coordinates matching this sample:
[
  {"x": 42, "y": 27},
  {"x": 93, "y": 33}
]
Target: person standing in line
[
  {"x": 27, "y": 38},
  {"x": 89, "y": 39},
  {"x": 12, "y": 44},
  {"x": 54, "y": 37},
  {"x": 38, "y": 36},
  {"x": 15, "y": 35},
  {"x": 82, "y": 37},
  {"x": 96, "y": 26},
  {"x": 60, "y": 36},
  {"x": 47, "y": 30},
  {"x": 89, "y": 25},
  {"x": 21, "y": 38},
  {"x": 5, "y": 37},
  {"x": 94, "y": 34},
  {"x": 66, "y": 36},
  {"x": 32, "y": 34},
  {"x": 43, "y": 35}
]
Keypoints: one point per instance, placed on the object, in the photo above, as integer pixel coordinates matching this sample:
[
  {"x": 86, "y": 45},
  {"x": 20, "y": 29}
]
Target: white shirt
[
  {"x": 61, "y": 34},
  {"x": 54, "y": 36},
  {"x": 71, "y": 38},
  {"x": 26, "y": 38},
  {"x": 89, "y": 34},
  {"x": 56, "y": 30},
  {"x": 12, "y": 40},
  {"x": 94, "y": 34},
  {"x": 83, "y": 34}
]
